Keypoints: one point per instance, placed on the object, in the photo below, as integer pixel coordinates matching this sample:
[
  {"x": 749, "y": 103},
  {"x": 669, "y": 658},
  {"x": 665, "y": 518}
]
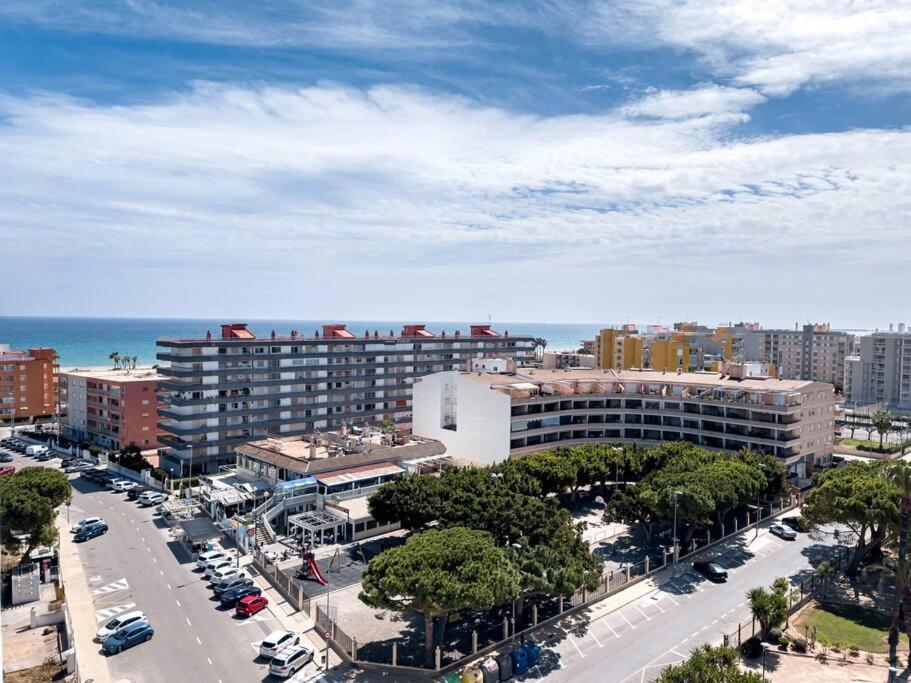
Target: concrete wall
[{"x": 481, "y": 431}]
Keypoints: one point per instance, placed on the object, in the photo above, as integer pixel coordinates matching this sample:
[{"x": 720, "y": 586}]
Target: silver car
[{"x": 782, "y": 531}]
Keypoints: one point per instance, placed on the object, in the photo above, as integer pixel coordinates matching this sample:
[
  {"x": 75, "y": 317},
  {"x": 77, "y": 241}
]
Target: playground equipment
[{"x": 310, "y": 563}]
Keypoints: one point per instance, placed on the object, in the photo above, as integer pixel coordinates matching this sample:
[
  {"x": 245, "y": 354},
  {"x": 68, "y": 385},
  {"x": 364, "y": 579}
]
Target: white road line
[
  {"x": 189, "y": 624},
  {"x": 178, "y": 602},
  {"x": 677, "y": 653},
  {"x": 616, "y": 635},
  {"x": 162, "y": 573},
  {"x": 694, "y": 634},
  {"x": 154, "y": 560},
  {"x": 626, "y": 620},
  {"x": 658, "y": 607},
  {"x": 142, "y": 538},
  {"x": 124, "y": 514},
  {"x": 198, "y": 640},
  {"x": 210, "y": 660},
  {"x": 647, "y": 617},
  {"x": 573, "y": 641},
  {"x": 704, "y": 627},
  {"x": 596, "y": 638},
  {"x": 684, "y": 640},
  {"x": 714, "y": 621},
  {"x": 169, "y": 586},
  {"x": 148, "y": 549},
  {"x": 668, "y": 596}
]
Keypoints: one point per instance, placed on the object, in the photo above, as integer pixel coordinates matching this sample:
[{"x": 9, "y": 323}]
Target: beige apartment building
[
  {"x": 488, "y": 417},
  {"x": 815, "y": 352}
]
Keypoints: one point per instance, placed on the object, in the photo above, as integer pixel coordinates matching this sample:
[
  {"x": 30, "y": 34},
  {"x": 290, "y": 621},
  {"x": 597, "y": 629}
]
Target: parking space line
[
  {"x": 569, "y": 636},
  {"x": 647, "y": 617},
  {"x": 626, "y": 620},
  {"x": 189, "y": 624},
  {"x": 616, "y": 635},
  {"x": 595, "y": 637},
  {"x": 210, "y": 660},
  {"x": 656, "y": 605},
  {"x": 178, "y": 602}
]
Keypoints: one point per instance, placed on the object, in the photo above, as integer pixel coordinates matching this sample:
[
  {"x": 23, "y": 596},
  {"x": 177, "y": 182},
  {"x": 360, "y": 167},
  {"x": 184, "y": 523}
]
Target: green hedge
[{"x": 887, "y": 448}]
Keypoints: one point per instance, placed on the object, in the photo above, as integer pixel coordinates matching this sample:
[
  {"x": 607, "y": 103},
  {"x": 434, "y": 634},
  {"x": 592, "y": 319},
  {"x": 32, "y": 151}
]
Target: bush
[
  {"x": 870, "y": 659},
  {"x": 751, "y": 648},
  {"x": 773, "y": 637},
  {"x": 853, "y": 651},
  {"x": 94, "y": 451},
  {"x": 799, "y": 645},
  {"x": 783, "y": 641},
  {"x": 159, "y": 474}
]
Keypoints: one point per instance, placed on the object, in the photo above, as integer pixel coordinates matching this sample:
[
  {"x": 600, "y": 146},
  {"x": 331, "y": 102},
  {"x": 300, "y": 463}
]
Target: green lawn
[
  {"x": 854, "y": 443},
  {"x": 865, "y": 629}
]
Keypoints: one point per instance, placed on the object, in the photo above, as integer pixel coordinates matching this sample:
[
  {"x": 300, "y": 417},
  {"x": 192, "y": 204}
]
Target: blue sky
[{"x": 570, "y": 161}]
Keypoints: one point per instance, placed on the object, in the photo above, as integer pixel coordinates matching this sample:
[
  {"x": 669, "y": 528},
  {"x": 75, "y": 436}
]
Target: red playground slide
[{"x": 316, "y": 572}]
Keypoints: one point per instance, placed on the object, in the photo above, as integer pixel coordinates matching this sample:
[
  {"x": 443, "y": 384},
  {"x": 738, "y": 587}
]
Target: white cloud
[
  {"x": 775, "y": 45},
  {"x": 707, "y": 99},
  {"x": 330, "y": 185}
]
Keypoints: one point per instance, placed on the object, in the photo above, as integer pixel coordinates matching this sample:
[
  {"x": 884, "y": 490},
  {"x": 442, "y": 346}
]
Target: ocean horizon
[{"x": 89, "y": 341}]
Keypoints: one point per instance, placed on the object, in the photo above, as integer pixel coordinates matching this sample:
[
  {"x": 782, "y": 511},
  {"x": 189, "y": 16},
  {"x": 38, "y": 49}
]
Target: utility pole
[{"x": 677, "y": 494}]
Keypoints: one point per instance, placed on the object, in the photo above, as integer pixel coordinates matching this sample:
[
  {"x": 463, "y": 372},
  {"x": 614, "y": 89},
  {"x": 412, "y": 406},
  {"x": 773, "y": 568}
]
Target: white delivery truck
[{"x": 35, "y": 450}]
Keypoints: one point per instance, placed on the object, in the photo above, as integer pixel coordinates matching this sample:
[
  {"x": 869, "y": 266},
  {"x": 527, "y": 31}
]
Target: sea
[{"x": 89, "y": 342}]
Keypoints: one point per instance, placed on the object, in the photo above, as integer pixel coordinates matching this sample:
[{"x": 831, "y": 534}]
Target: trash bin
[
  {"x": 472, "y": 675},
  {"x": 519, "y": 661},
  {"x": 504, "y": 662},
  {"x": 490, "y": 672},
  {"x": 533, "y": 650}
]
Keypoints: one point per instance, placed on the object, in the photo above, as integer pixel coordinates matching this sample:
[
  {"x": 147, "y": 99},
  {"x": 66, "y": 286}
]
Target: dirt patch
[{"x": 43, "y": 673}]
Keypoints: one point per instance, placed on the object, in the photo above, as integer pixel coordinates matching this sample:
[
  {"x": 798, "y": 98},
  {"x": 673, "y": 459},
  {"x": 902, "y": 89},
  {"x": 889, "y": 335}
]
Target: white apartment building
[
  {"x": 815, "y": 353},
  {"x": 881, "y": 371},
  {"x": 487, "y": 417}
]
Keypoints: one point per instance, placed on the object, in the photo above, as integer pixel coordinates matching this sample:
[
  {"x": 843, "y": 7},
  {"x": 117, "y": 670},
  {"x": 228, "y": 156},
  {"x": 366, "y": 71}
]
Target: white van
[{"x": 35, "y": 450}]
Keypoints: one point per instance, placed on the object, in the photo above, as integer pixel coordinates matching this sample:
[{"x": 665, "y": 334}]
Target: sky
[{"x": 573, "y": 161}]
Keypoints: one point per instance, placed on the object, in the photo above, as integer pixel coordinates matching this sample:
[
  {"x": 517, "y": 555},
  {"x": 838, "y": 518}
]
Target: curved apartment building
[{"x": 487, "y": 417}]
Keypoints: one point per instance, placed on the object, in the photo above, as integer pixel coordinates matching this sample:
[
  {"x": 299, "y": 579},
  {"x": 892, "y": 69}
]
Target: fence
[
  {"x": 281, "y": 582},
  {"x": 798, "y": 596}
]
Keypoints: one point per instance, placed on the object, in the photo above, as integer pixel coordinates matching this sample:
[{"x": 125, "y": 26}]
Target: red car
[
  {"x": 250, "y": 605},
  {"x": 9, "y": 469}
]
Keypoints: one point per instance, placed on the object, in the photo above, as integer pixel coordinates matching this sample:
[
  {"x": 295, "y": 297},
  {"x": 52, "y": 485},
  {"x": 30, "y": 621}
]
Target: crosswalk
[
  {"x": 113, "y": 587},
  {"x": 109, "y": 612}
]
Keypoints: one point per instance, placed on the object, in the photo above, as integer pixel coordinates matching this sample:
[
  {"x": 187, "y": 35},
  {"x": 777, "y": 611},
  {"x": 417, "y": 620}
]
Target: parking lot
[{"x": 138, "y": 565}]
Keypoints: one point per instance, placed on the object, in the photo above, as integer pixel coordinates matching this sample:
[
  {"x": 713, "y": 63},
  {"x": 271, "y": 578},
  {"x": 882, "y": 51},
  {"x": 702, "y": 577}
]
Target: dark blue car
[
  {"x": 129, "y": 636},
  {"x": 231, "y": 597},
  {"x": 239, "y": 582},
  {"x": 90, "y": 531}
]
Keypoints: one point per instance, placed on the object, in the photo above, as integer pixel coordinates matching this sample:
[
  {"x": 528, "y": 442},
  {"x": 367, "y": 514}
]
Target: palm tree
[
  {"x": 769, "y": 607},
  {"x": 115, "y": 357},
  {"x": 882, "y": 421},
  {"x": 133, "y": 360}
]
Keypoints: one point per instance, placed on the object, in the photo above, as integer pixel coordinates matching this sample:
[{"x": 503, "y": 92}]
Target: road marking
[
  {"x": 162, "y": 573},
  {"x": 647, "y": 617},
  {"x": 189, "y": 624},
  {"x": 251, "y": 620},
  {"x": 197, "y": 638},
  {"x": 148, "y": 549},
  {"x": 124, "y": 514},
  {"x": 573, "y": 641},
  {"x": 714, "y": 621},
  {"x": 168, "y": 585},
  {"x": 626, "y": 620},
  {"x": 694, "y": 634},
  {"x": 684, "y": 640},
  {"x": 142, "y": 538},
  {"x": 178, "y": 602},
  {"x": 616, "y": 635},
  {"x": 659, "y": 607},
  {"x": 596, "y": 638},
  {"x": 668, "y": 596},
  {"x": 210, "y": 661},
  {"x": 678, "y": 654},
  {"x": 704, "y": 627},
  {"x": 102, "y": 614},
  {"x": 113, "y": 587},
  {"x": 154, "y": 560}
]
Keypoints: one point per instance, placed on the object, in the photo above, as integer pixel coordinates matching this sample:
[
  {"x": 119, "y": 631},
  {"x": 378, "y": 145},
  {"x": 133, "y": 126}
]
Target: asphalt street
[
  {"x": 635, "y": 642},
  {"x": 137, "y": 565}
]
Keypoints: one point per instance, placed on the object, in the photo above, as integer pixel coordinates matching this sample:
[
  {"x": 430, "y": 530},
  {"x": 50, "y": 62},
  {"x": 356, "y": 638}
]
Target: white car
[
  {"x": 85, "y": 522},
  {"x": 782, "y": 531},
  {"x": 290, "y": 660},
  {"x": 277, "y": 641},
  {"x": 215, "y": 565},
  {"x": 205, "y": 558},
  {"x": 152, "y": 498},
  {"x": 225, "y": 574},
  {"x": 118, "y": 623},
  {"x": 116, "y": 482},
  {"x": 122, "y": 485}
]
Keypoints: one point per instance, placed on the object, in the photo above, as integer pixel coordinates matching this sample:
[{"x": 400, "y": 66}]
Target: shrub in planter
[
  {"x": 773, "y": 636},
  {"x": 799, "y": 645},
  {"x": 784, "y": 641},
  {"x": 751, "y": 648}
]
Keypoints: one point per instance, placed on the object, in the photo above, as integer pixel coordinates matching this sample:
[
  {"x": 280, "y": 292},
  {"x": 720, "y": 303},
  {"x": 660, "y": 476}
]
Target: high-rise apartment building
[
  {"x": 687, "y": 347},
  {"x": 224, "y": 391},
  {"x": 881, "y": 371},
  {"x": 28, "y": 384},
  {"x": 815, "y": 353},
  {"x": 111, "y": 408}
]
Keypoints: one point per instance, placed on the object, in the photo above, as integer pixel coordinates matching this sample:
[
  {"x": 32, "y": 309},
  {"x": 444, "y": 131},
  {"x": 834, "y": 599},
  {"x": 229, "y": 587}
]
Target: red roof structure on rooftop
[{"x": 236, "y": 331}]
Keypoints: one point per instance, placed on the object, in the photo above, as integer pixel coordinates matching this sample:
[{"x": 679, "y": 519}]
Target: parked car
[
  {"x": 6, "y": 457},
  {"x": 129, "y": 636},
  {"x": 782, "y": 531},
  {"x": 712, "y": 570},
  {"x": 113, "y": 482},
  {"x": 213, "y": 566},
  {"x": 231, "y": 597},
  {"x": 34, "y": 449},
  {"x": 210, "y": 556},
  {"x": 79, "y": 466},
  {"x": 225, "y": 574},
  {"x": 9, "y": 469},
  {"x": 118, "y": 623},
  {"x": 45, "y": 456},
  {"x": 794, "y": 522},
  {"x": 153, "y": 498},
  {"x": 86, "y": 522},
  {"x": 122, "y": 485},
  {"x": 277, "y": 641},
  {"x": 90, "y": 531},
  {"x": 250, "y": 605},
  {"x": 290, "y": 660},
  {"x": 137, "y": 491},
  {"x": 236, "y": 582},
  {"x": 92, "y": 474}
]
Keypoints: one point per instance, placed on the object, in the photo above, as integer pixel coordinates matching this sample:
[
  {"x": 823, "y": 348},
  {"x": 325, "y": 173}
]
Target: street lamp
[
  {"x": 758, "y": 493},
  {"x": 765, "y": 648},
  {"x": 677, "y": 494},
  {"x": 616, "y": 449}
]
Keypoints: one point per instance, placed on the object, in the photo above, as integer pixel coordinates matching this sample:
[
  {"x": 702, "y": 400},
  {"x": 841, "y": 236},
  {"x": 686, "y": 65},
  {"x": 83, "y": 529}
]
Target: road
[
  {"x": 136, "y": 565},
  {"x": 634, "y": 643}
]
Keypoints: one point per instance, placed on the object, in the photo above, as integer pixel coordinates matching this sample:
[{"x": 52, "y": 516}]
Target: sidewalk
[
  {"x": 288, "y": 617},
  {"x": 90, "y": 663}
]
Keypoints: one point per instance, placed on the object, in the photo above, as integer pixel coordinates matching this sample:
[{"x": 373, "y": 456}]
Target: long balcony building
[
  {"x": 28, "y": 384},
  {"x": 220, "y": 392},
  {"x": 488, "y": 417}
]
